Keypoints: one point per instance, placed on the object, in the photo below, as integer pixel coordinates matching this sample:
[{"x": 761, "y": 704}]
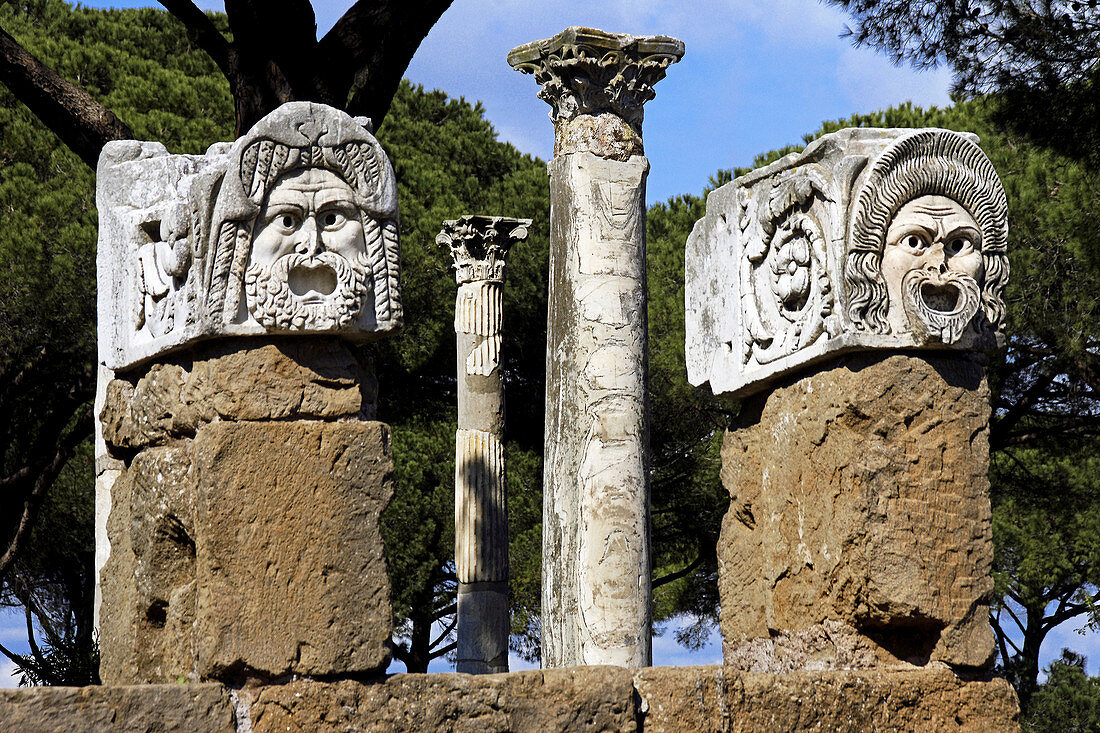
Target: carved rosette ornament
[
  {"x": 586, "y": 72},
  {"x": 866, "y": 239},
  {"x": 290, "y": 229}
]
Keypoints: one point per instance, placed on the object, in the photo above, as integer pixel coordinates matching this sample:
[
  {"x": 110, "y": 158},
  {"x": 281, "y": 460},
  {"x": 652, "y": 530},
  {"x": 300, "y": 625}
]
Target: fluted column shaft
[
  {"x": 596, "y": 593},
  {"x": 478, "y": 245}
]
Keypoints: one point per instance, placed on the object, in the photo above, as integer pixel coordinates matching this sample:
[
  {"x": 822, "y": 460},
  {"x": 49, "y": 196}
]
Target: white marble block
[
  {"x": 867, "y": 239},
  {"x": 290, "y": 229}
]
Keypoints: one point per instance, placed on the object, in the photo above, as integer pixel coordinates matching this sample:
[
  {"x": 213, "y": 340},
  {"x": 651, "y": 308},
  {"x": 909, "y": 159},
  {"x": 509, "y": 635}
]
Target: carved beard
[
  {"x": 274, "y": 305},
  {"x": 940, "y": 305}
]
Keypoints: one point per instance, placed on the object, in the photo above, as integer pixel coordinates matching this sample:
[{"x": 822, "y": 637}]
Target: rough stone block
[
  {"x": 860, "y": 495},
  {"x": 710, "y": 699},
  {"x": 720, "y": 700},
  {"x": 916, "y": 701},
  {"x": 589, "y": 699},
  {"x": 273, "y": 380},
  {"x": 148, "y": 580},
  {"x": 137, "y": 709},
  {"x": 290, "y": 567}
]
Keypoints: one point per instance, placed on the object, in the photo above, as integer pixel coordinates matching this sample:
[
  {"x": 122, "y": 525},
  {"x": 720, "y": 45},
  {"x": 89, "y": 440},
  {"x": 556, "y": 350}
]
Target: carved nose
[
  {"x": 935, "y": 259},
  {"x": 309, "y": 238}
]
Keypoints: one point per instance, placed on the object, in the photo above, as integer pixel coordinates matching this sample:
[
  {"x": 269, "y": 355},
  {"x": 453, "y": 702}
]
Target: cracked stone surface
[
  {"x": 860, "y": 495},
  {"x": 708, "y": 699},
  {"x": 243, "y": 527}
]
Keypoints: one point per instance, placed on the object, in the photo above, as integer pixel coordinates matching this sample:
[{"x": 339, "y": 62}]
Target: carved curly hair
[{"x": 928, "y": 162}]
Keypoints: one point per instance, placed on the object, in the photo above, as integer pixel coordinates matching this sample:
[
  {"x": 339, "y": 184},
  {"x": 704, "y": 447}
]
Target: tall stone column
[
  {"x": 479, "y": 246},
  {"x": 596, "y": 595},
  {"x": 845, "y": 294}
]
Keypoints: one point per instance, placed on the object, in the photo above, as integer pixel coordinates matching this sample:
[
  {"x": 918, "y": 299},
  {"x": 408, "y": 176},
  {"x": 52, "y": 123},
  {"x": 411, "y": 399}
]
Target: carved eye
[
  {"x": 332, "y": 219},
  {"x": 957, "y": 245},
  {"x": 288, "y": 221},
  {"x": 914, "y": 242}
]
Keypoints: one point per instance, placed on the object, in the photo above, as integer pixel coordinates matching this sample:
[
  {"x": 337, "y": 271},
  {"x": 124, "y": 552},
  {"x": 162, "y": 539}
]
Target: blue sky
[{"x": 757, "y": 75}]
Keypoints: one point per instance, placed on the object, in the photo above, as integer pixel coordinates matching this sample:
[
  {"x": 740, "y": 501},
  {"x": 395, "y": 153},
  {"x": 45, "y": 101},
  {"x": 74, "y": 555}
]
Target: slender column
[
  {"x": 479, "y": 245},
  {"x": 596, "y": 593}
]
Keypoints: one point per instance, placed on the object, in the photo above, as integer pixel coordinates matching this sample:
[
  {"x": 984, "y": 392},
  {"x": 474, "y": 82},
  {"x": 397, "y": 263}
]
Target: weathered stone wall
[
  {"x": 859, "y": 527},
  {"x": 591, "y": 699},
  {"x": 244, "y": 527}
]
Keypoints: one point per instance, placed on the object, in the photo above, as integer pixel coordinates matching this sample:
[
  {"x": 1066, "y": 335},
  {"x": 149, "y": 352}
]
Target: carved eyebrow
[
  {"x": 934, "y": 211},
  {"x": 965, "y": 228},
  {"x": 337, "y": 201},
  {"x": 910, "y": 226},
  {"x": 278, "y": 208}
]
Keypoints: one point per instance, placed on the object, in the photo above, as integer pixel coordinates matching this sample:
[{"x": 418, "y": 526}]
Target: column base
[{"x": 483, "y": 626}]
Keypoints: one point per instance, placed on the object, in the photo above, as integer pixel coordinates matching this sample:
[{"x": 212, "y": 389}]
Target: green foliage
[
  {"x": 1039, "y": 57},
  {"x": 449, "y": 163},
  {"x": 1068, "y": 702},
  {"x": 52, "y": 582}
]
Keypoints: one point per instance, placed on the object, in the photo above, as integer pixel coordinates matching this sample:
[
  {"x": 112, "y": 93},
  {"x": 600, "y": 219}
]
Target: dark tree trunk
[
  {"x": 274, "y": 57},
  {"x": 421, "y": 638},
  {"x": 82, "y": 123},
  {"x": 1028, "y": 660}
]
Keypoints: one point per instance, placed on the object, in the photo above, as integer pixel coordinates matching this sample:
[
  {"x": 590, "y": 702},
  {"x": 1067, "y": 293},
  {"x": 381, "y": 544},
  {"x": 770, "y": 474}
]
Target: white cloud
[{"x": 9, "y": 676}]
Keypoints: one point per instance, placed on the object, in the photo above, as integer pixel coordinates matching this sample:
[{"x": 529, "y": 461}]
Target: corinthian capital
[
  {"x": 584, "y": 71},
  {"x": 479, "y": 245}
]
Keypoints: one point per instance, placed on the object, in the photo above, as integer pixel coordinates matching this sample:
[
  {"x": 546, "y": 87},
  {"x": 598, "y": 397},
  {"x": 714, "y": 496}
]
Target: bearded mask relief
[
  {"x": 305, "y": 230},
  {"x": 308, "y": 266},
  {"x": 290, "y": 229},
  {"x": 932, "y": 265}
]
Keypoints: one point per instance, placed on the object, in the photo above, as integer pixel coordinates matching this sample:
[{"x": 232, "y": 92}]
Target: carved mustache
[
  {"x": 299, "y": 291},
  {"x": 940, "y": 305}
]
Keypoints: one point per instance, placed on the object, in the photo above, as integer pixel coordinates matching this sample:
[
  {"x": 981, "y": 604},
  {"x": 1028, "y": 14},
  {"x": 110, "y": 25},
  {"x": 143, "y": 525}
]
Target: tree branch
[
  {"x": 679, "y": 573},
  {"x": 444, "y": 633},
  {"x": 82, "y": 123},
  {"x": 202, "y": 31},
  {"x": 445, "y": 650},
  {"x": 45, "y": 479},
  {"x": 369, "y": 49}
]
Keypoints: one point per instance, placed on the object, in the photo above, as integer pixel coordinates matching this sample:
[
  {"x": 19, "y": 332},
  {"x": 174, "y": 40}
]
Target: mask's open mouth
[
  {"x": 940, "y": 305},
  {"x": 942, "y": 297},
  {"x": 311, "y": 283}
]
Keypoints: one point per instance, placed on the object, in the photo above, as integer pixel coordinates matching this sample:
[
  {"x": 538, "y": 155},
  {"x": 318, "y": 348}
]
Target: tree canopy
[{"x": 267, "y": 51}]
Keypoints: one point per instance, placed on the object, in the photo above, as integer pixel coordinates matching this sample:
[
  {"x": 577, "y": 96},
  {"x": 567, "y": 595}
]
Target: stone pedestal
[
  {"x": 845, "y": 294},
  {"x": 596, "y": 594},
  {"x": 240, "y": 473},
  {"x": 859, "y": 526},
  {"x": 291, "y": 230},
  {"x": 244, "y": 524},
  {"x": 479, "y": 246}
]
